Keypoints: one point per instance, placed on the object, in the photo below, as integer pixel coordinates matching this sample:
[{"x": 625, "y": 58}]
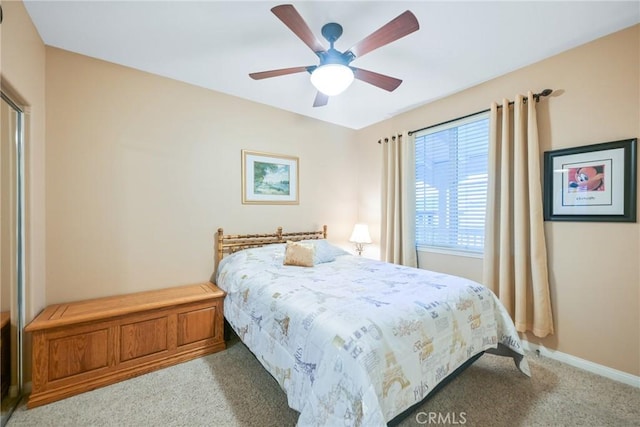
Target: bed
[{"x": 353, "y": 341}]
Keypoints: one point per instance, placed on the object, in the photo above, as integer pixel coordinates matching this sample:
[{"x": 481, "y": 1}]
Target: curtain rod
[{"x": 536, "y": 96}]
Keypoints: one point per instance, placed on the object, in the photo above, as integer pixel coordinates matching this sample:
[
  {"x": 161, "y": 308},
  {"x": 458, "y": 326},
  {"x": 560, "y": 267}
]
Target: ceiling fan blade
[
  {"x": 321, "y": 100},
  {"x": 404, "y": 24},
  {"x": 376, "y": 79},
  {"x": 275, "y": 73},
  {"x": 292, "y": 19}
]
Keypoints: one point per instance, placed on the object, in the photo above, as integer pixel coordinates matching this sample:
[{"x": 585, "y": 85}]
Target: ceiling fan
[{"x": 334, "y": 74}]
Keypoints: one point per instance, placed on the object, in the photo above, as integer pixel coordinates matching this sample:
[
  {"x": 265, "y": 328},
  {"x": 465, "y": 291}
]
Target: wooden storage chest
[{"x": 84, "y": 345}]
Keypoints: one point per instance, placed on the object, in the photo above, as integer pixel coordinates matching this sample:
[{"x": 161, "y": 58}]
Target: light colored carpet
[{"x": 230, "y": 388}]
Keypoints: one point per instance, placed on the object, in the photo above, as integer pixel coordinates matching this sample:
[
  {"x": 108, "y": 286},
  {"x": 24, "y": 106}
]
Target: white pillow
[{"x": 325, "y": 251}]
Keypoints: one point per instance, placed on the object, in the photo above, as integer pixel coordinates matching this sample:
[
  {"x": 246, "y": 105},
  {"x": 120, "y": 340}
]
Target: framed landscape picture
[
  {"x": 269, "y": 178},
  {"x": 591, "y": 183}
]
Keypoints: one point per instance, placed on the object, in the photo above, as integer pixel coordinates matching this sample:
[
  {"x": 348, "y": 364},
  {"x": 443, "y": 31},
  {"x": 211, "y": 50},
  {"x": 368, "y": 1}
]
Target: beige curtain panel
[
  {"x": 397, "y": 234},
  {"x": 515, "y": 254}
]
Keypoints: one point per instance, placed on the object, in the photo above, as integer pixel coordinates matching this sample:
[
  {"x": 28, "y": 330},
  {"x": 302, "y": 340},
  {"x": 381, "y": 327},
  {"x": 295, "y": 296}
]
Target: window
[{"x": 451, "y": 184}]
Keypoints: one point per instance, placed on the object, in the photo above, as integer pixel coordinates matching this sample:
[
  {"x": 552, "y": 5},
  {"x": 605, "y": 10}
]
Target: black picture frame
[{"x": 591, "y": 183}]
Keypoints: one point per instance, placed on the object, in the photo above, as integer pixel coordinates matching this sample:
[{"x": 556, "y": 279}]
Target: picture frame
[
  {"x": 591, "y": 183},
  {"x": 269, "y": 179}
]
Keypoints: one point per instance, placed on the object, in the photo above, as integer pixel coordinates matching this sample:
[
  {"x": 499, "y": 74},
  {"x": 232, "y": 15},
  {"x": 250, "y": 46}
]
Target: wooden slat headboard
[{"x": 230, "y": 243}]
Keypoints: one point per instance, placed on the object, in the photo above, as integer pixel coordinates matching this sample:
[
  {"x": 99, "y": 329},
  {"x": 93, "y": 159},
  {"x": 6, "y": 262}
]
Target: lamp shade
[
  {"x": 332, "y": 79},
  {"x": 360, "y": 234}
]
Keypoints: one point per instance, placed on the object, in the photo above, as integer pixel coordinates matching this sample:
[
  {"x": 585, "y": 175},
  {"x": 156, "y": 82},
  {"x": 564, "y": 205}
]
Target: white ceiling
[{"x": 216, "y": 44}]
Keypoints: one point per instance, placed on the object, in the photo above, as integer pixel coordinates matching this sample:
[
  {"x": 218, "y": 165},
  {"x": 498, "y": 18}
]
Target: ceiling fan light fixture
[{"x": 332, "y": 79}]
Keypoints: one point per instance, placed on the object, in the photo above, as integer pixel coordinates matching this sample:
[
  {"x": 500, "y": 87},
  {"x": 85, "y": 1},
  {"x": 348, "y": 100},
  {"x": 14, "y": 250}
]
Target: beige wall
[
  {"x": 594, "y": 274},
  {"x": 141, "y": 171},
  {"x": 22, "y": 74}
]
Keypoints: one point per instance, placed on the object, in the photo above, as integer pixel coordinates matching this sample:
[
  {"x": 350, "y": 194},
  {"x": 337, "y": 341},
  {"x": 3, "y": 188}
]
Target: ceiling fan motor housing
[{"x": 332, "y": 56}]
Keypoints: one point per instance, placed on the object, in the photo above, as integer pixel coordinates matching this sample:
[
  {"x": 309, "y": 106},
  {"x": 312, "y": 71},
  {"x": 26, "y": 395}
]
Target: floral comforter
[{"x": 357, "y": 341}]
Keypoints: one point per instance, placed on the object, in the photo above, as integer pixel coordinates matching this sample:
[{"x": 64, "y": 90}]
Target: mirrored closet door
[{"x": 11, "y": 253}]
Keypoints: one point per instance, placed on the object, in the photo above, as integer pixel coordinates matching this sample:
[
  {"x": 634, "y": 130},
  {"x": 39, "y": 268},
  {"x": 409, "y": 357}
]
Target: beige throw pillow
[{"x": 300, "y": 254}]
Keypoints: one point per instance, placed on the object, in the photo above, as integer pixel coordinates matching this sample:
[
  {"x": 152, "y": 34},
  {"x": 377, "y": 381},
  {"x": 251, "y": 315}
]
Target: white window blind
[{"x": 451, "y": 184}]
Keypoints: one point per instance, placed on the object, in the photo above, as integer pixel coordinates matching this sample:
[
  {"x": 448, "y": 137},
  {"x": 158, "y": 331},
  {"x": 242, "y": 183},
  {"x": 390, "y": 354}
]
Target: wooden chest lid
[{"x": 102, "y": 308}]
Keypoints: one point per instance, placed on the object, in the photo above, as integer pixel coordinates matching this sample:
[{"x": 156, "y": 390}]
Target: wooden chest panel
[
  {"x": 143, "y": 338},
  {"x": 196, "y": 326},
  {"x": 77, "y": 353},
  {"x": 88, "y": 344}
]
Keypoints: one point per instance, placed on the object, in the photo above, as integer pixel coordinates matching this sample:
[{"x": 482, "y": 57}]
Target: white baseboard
[{"x": 577, "y": 362}]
